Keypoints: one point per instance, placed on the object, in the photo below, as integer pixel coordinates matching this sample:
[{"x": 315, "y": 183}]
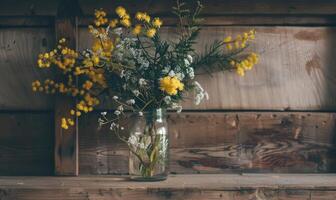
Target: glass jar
[{"x": 149, "y": 147}]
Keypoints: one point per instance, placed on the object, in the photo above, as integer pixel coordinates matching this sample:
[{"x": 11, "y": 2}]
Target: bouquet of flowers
[{"x": 138, "y": 70}]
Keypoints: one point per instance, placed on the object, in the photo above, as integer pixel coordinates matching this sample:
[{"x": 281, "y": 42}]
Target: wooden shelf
[{"x": 195, "y": 187}]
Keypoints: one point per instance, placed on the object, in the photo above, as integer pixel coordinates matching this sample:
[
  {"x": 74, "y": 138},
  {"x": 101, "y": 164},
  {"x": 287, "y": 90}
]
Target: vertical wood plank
[{"x": 66, "y": 141}]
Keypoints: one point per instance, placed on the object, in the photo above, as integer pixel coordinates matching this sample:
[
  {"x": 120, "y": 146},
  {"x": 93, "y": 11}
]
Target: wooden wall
[{"x": 278, "y": 118}]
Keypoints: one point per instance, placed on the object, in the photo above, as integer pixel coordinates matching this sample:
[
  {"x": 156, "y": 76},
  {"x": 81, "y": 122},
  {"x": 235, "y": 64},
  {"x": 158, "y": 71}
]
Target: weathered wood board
[
  {"x": 19, "y": 49},
  {"x": 224, "y": 142},
  {"x": 26, "y": 143},
  {"x": 180, "y": 187},
  {"x": 294, "y": 73},
  {"x": 162, "y": 7}
]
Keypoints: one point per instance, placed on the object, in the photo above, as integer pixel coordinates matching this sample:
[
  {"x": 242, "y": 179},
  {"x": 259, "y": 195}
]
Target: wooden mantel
[{"x": 177, "y": 187}]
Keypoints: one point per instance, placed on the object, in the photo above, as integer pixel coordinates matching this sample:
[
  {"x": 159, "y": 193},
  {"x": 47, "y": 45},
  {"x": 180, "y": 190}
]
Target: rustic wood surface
[
  {"x": 162, "y": 7},
  {"x": 19, "y": 49},
  {"x": 294, "y": 72},
  {"x": 66, "y": 141},
  {"x": 26, "y": 143},
  {"x": 224, "y": 142},
  {"x": 181, "y": 187}
]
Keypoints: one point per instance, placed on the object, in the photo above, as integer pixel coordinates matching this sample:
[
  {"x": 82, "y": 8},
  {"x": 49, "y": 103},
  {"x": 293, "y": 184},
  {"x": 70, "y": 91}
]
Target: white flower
[
  {"x": 177, "y": 107},
  {"x": 133, "y": 140},
  {"x": 120, "y": 108},
  {"x": 122, "y": 128},
  {"x": 117, "y": 31},
  {"x": 166, "y": 70},
  {"x": 186, "y": 62},
  {"x": 136, "y": 92},
  {"x": 115, "y": 97},
  {"x": 190, "y": 72},
  {"x": 142, "y": 82},
  {"x": 171, "y": 73},
  {"x": 167, "y": 100},
  {"x": 180, "y": 76},
  {"x": 122, "y": 73},
  {"x": 190, "y": 58},
  {"x": 140, "y": 113},
  {"x": 113, "y": 125},
  {"x": 130, "y": 101},
  {"x": 117, "y": 112},
  {"x": 200, "y": 93},
  {"x": 103, "y": 113}
]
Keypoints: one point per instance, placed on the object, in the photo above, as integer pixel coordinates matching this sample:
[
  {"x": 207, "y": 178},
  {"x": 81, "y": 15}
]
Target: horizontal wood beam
[
  {"x": 224, "y": 142},
  {"x": 162, "y": 7},
  {"x": 180, "y": 187}
]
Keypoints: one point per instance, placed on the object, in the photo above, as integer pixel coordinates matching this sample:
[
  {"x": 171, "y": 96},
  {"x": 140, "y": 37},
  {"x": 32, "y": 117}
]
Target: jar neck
[{"x": 158, "y": 115}]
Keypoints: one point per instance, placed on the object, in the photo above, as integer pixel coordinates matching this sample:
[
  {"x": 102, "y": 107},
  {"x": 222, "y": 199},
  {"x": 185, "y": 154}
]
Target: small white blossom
[
  {"x": 166, "y": 70},
  {"x": 180, "y": 76},
  {"x": 167, "y": 100},
  {"x": 177, "y": 107},
  {"x": 136, "y": 92},
  {"x": 117, "y": 31},
  {"x": 142, "y": 82},
  {"x": 191, "y": 72},
  {"x": 140, "y": 113},
  {"x": 190, "y": 58},
  {"x": 120, "y": 108},
  {"x": 186, "y": 62},
  {"x": 133, "y": 140},
  {"x": 113, "y": 126},
  {"x": 130, "y": 101},
  {"x": 115, "y": 97},
  {"x": 117, "y": 112},
  {"x": 122, "y": 128},
  {"x": 103, "y": 113},
  {"x": 200, "y": 93},
  {"x": 171, "y": 73}
]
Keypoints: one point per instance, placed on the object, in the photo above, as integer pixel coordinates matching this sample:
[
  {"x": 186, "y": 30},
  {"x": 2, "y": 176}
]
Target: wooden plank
[
  {"x": 189, "y": 187},
  {"x": 212, "y": 7},
  {"x": 224, "y": 142},
  {"x": 243, "y": 20},
  {"x": 66, "y": 141},
  {"x": 323, "y": 195},
  {"x": 294, "y": 73},
  {"x": 26, "y": 143},
  {"x": 38, "y": 22},
  {"x": 219, "y": 7},
  {"x": 19, "y": 49}
]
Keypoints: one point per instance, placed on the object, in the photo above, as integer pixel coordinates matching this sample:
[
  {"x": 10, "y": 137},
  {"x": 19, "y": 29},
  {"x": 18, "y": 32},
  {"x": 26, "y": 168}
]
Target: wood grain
[
  {"x": 224, "y": 142},
  {"x": 160, "y": 7},
  {"x": 181, "y": 187},
  {"x": 26, "y": 143},
  {"x": 294, "y": 73},
  {"x": 19, "y": 49},
  {"x": 66, "y": 141}
]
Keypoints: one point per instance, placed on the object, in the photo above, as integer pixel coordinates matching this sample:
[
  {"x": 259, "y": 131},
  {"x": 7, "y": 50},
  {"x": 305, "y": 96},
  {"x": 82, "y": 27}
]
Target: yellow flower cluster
[
  {"x": 151, "y": 26},
  {"x": 240, "y": 41},
  {"x": 66, "y": 122},
  {"x": 157, "y": 23},
  {"x": 100, "y": 18},
  {"x": 63, "y": 57},
  {"x": 125, "y": 18},
  {"x": 137, "y": 29},
  {"x": 103, "y": 47},
  {"x": 142, "y": 16},
  {"x": 171, "y": 85},
  {"x": 246, "y": 64}
]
